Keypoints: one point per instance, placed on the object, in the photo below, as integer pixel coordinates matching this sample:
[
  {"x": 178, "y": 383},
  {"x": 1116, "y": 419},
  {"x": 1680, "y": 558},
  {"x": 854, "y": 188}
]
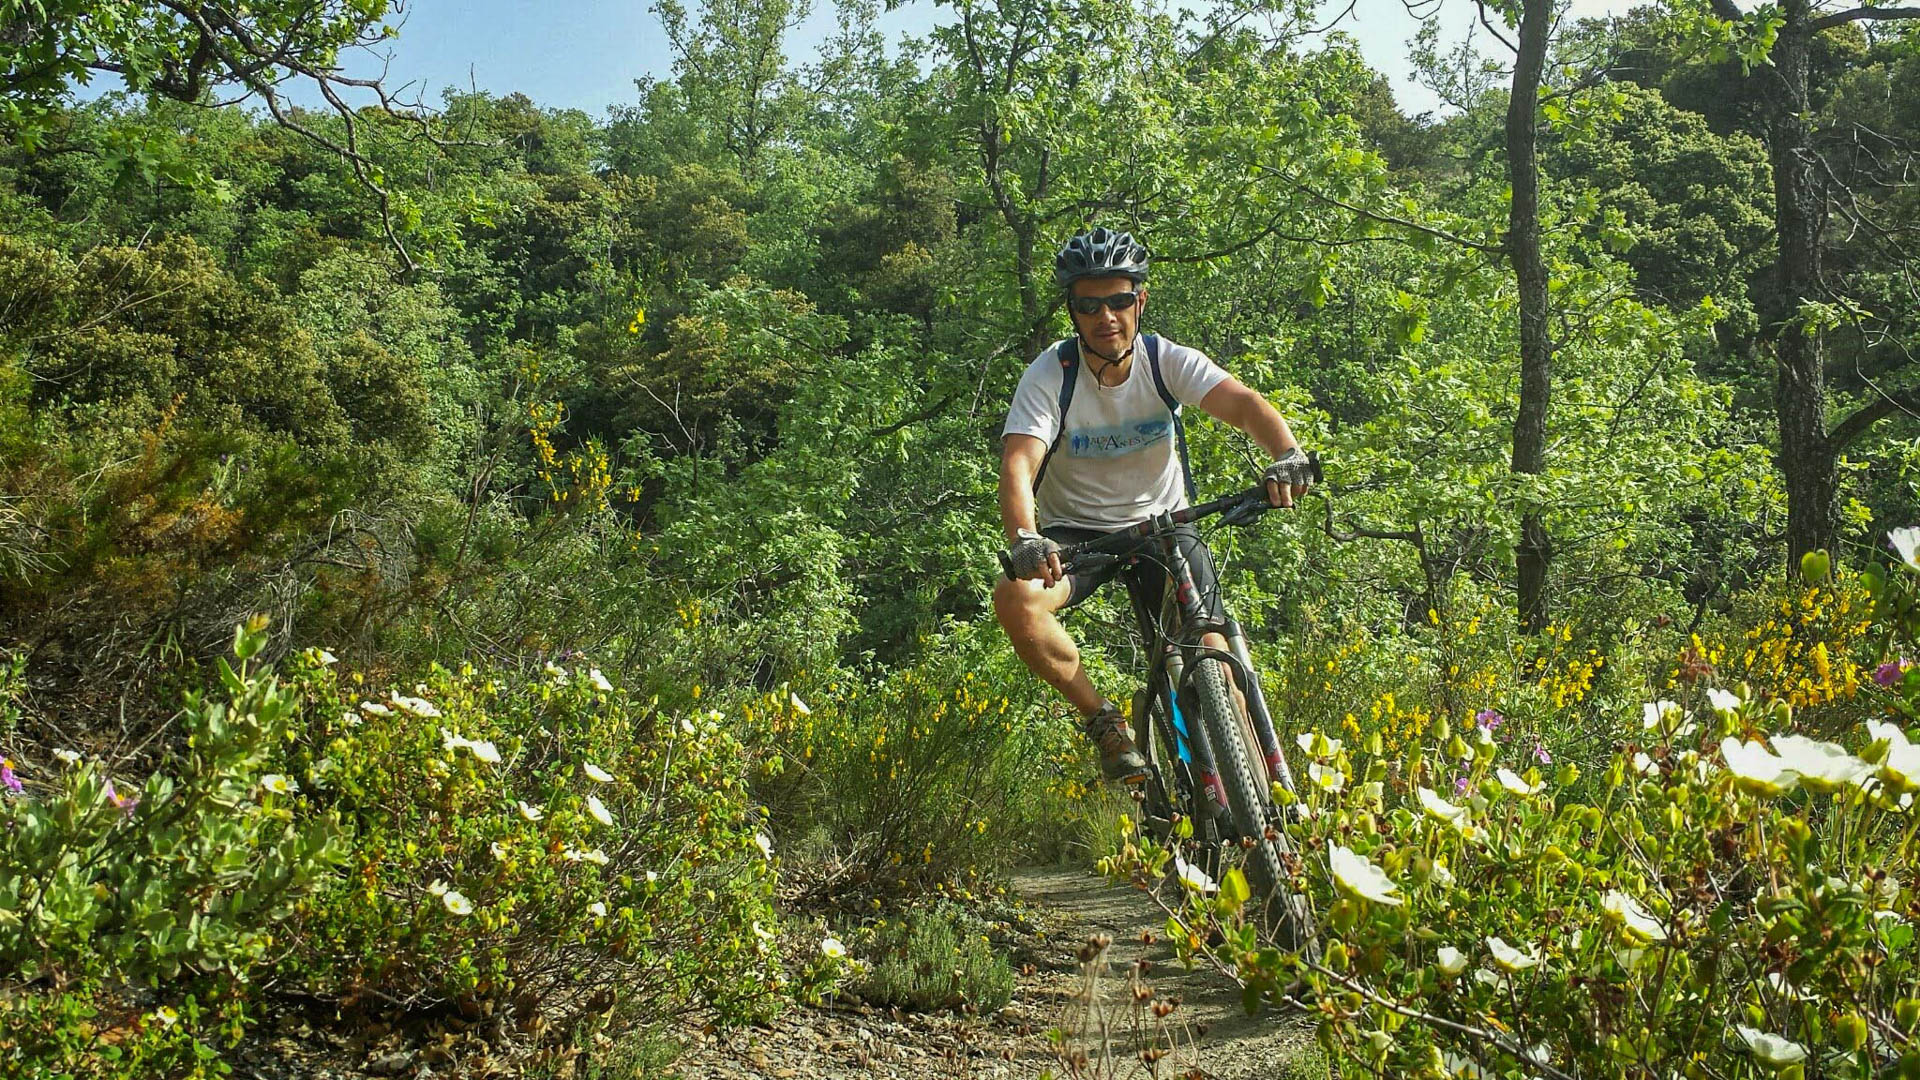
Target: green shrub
[
  {"x": 188, "y": 872},
  {"x": 934, "y": 958},
  {"x": 544, "y": 840},
  {"x": 181, "y": 882},
  {"x": 84, "y": 1031}
]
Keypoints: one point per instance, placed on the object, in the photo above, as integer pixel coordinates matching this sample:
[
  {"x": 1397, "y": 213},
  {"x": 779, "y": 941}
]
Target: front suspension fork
[{"x": 1257, "y": 708}]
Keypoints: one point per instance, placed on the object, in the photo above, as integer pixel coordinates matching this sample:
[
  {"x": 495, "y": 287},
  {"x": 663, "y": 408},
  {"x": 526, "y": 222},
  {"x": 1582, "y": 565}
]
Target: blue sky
[{"x": 586, "y": 54}]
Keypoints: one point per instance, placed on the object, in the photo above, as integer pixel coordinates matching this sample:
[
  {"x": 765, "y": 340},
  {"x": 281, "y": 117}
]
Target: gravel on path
[{"x": 1050, "y": 1020}]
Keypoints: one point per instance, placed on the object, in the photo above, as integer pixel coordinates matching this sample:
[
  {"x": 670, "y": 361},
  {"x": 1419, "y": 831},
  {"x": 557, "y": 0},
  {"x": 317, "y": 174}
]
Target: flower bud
[
  {"x": 1336, "y": 957},
  {"x": 1850, "y": 1031}
]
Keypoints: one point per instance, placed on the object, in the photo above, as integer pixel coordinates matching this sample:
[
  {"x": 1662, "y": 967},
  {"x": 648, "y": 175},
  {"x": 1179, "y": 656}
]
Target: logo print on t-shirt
[{"x": 1119, "y": 439}]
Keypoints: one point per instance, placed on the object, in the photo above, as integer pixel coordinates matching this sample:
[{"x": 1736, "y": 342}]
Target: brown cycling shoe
[{"x": 1118, "y": 759}]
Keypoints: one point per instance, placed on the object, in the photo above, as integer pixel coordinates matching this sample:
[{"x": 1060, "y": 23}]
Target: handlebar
[{"x": 1240, "y": 508}]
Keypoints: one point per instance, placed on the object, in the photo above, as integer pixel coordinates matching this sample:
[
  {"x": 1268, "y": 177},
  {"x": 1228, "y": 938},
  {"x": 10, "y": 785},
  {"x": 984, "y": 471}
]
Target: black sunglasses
[{"x": 1087, "y": 305}]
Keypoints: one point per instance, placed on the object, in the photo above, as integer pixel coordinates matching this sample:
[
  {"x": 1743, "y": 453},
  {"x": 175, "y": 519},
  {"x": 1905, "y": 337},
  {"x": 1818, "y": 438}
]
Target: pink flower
[
  {"x": 1489, "y": 718},
  {"x": 122, "y": 802},
  {"x": 1541, "y": 754},
  {"x": 1889, "y": 673},
  {"x": 1460, "y": 784},
  {"x": 7, "y": 779}
]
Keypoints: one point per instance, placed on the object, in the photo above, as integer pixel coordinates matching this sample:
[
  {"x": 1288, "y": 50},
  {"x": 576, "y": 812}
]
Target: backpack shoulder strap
[
  {"x": 1069, "y": 350},
  {"x": 1173, "y": 406}
]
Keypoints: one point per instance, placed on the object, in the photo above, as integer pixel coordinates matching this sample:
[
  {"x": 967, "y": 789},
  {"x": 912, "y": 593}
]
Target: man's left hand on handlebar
[
  {"x": 1034, "y": 556},
  {"x": 1288, "y": 477}
]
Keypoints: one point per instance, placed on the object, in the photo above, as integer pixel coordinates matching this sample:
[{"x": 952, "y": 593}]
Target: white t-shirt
[{"x": 1118, "y": 464}]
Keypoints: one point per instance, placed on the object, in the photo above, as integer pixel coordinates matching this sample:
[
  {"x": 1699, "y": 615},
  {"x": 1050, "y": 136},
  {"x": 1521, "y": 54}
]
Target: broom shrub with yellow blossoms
[
  {"x": 1730, "y": 896},
  {"x": 950, "y": 767}
]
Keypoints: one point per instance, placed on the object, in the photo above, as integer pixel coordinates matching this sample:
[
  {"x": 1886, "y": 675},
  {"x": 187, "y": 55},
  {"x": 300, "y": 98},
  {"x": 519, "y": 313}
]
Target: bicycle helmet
[{"x": 1100, "y": 253}]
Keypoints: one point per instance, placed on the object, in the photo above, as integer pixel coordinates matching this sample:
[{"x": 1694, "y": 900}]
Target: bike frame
[{"x": 1173, "y": 656}]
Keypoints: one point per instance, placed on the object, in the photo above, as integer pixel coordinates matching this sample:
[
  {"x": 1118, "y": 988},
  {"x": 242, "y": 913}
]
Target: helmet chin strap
[{"x": 1110, "y": 361}]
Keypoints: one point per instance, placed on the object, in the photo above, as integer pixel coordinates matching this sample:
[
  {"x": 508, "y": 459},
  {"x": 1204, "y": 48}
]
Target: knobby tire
[{"x": 1249, "y": 801}]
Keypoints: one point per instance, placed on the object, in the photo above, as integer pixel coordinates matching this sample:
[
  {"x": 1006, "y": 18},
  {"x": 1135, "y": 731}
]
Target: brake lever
[
  {"x": 1249, "y": 509},
  {"x": 1091, "y": 561}
]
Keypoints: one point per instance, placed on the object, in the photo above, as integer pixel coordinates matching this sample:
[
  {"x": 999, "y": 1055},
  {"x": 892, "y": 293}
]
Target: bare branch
[
  {"x": 1497, "y": 35},
  {"x": 1906, "y": 400},
  {"x": 1877, "y": 14},
  {"x": 1384, "y": 219}
]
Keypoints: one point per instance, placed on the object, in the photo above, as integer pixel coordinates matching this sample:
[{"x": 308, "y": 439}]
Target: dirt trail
[{"x": 1062, "y": 909}]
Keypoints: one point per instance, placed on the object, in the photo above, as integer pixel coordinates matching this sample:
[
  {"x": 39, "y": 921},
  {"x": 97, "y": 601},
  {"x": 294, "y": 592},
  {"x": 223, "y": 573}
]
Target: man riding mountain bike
[{"x": 1094, "y": 442}]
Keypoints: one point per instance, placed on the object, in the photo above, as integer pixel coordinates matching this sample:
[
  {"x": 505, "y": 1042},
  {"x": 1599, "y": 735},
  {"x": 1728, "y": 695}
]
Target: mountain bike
[{"x": 1216, "y": 775}]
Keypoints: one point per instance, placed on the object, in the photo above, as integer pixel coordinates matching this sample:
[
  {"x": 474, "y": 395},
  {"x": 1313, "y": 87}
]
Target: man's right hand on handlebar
[
  {"x": 1288, "y": 477},
  {"x": 1035, "y": 556}
]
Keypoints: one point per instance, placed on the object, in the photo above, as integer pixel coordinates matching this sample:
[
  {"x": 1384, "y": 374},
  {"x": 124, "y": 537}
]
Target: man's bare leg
[{"x": 1026, "y": 612}]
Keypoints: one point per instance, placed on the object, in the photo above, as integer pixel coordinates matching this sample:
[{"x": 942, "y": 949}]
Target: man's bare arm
[
  {"x": 1020, "y": 457},
  {"x": 1233, "y": 403}
]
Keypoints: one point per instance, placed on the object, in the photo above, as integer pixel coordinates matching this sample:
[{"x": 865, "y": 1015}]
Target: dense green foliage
[{"x": 661, "y": 447}]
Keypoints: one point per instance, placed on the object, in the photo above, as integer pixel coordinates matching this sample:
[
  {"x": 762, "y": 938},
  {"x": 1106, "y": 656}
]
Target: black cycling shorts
[{"x": 1144, "y": 575}]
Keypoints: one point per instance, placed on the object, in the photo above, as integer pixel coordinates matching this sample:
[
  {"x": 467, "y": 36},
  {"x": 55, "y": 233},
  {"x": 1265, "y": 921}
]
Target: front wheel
[{"x": 1250, "y": 802}]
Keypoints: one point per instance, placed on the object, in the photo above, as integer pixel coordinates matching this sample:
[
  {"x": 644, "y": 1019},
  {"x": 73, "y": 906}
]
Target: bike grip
[
  {"x": 1313, "y": 463},
  {"x": 1006, "y": 563}
]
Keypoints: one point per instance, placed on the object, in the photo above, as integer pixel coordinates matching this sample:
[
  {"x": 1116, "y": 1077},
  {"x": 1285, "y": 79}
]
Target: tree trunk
[
  {"x": 1807, "y": 455},
  {"x": 1038, "y": 336},
  {"x": 1535, "y": 549}
]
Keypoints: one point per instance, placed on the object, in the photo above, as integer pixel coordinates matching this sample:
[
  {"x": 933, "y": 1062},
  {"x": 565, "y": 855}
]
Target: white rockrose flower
[
  {"x": 1823, "y": 766},
  {"x": 1509, "y": 959},
  {"x": 1906, "y": 544},
  {"x": 1512, "y": 782},
  {"x": 531, "y": 813},
  {"x": 598, "y": 810},
  {"x": 1317, "y": 745},
  {"x": 1360, "y": 877},
  {"x": 1326, "y": 777},
  {"x": 1900, "y": 769},
  {"x": 1628, "y": 913},
  {"x": 1452, "y": 961},
  {"x": 1446, "y": 813},
  {"x": 1756, "y": 769},
  {"x": 1193, "y": 877},
  {"x": 832, "y": 949},
  {"x": 595, "y": 773},
  {"x": 417, "y": 706},
  {"x": 457, "y": 904},
  {"x": 599, "y": 681},
  {"x": 1772, "y": 1050}
]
